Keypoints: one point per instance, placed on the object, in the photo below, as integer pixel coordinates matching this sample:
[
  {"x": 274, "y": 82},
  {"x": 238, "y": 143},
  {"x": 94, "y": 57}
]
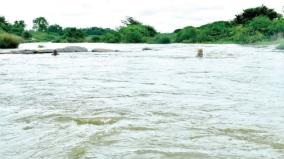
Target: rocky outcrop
[
  {"x": 43, "y": 51},
  {"x": 68, "y": 49},
  {"x": 104, "y": 50},
  {"x": 72, "y": 49}
]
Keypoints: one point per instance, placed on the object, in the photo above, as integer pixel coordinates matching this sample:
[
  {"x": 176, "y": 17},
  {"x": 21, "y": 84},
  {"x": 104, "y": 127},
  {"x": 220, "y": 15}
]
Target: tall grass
[{"x": 8, "y": 41}]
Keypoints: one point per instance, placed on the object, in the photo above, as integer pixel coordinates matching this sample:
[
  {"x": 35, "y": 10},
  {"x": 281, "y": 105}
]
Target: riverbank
[{"x": 252, "y": 26}]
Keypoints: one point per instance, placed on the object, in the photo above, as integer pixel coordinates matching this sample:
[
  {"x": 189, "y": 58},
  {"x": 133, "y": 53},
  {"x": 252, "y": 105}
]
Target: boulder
[
  {"x": 104, "y": 50},
  {"x": 72, "y": 49},
  {"x": 20, "y": 52}
]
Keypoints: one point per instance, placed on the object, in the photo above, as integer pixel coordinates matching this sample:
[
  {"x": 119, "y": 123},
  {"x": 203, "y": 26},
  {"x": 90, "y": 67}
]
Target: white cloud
[{"x": 165, "y": 15}]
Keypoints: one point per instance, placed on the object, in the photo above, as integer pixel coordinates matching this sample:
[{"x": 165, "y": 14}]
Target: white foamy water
[{"x": 143, "y": 104}]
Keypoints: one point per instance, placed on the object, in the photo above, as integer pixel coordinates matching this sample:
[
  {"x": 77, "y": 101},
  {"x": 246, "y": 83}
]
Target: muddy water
[{"x": 164, "y": 103}]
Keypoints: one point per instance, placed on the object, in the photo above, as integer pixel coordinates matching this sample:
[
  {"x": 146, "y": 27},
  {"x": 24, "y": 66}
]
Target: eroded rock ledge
[{"x": 68, "y": 49}]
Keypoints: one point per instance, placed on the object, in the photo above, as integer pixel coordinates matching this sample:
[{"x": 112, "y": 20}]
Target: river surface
[{"x": 164, "y": 103}]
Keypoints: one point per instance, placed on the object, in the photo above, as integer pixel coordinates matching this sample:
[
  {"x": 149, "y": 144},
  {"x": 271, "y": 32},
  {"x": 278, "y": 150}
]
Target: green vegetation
[
  {"x": 253, "y": 25},
  {"x": 280, "y": 46},
  {"x": 9, "y": 40},
  {"x": 161, "y": 39}
]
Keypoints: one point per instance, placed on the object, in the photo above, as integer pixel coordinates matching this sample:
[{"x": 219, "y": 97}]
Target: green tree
[
  {"x": 251, "y": 13},
  {"x": 26, "y": 35},
  {"x": 73, "y": 35},
  {"x": 260, "y": 24},
  {"x": 133, "y": 34},
  {"x": 277, "y": 26},
  {"x": 216, "y": 31},
  {"x": 4, "y": 25},
  {"x": 188, "y": 34},
  {"x": 161, "y": 39},
  {"x": 131, "y": 21},
  {"x": 18, "y": 27},
  {"x": 111, "y": 37},
  {"x": 40, "y": 24},
  {"x": 55, "y": 29}
]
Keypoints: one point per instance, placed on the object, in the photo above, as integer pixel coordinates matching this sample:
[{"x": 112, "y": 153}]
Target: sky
[{"x": 164, "y": 15}]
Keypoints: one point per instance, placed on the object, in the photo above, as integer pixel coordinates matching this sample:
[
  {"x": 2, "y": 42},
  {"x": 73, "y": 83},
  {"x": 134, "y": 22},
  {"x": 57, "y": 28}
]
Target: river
[{"x": 164, "y": 103}]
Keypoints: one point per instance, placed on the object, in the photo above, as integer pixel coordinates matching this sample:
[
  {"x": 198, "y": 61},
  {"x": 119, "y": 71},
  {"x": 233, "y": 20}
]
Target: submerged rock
[
  {"x": 44, "y": 51},
  {"x": 147, "y": 49},
  {"x": 104, "y": 50},
  {"x": 72, "y": 49},
  {"x": 21, "y": 52}
]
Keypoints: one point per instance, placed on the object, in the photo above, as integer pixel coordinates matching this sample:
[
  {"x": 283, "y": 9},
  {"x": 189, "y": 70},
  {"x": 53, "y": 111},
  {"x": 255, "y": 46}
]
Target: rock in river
[
  {"x": 72, "y": 49},
  {"x": 147, "y": 49},
  {"x": 104, "y": 50},
  {"x": 42, "y": 51}
]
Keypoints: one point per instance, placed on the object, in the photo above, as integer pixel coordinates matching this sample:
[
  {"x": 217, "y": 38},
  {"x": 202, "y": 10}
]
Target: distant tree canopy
[
  {"x": 18, "y": 27},
  {"x": 251, "y": 13},
  {"x": 40, "y": 24},
  {"x": 253, "y": 25},
  {"x": 55, "y": 29},
  {"x": 4, "y": 25},
  {"x": 131, "y": 21},
  {"x": 73, "y": 35},
  {"x": 135, "y": 31}
]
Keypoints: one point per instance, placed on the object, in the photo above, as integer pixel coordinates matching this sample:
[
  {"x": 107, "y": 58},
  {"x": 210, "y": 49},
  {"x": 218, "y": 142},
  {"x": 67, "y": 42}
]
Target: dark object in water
[
  {"x": 146, "y": 49},
  {"x": 199, "y": 53},
  {"x": 55, "y": 53}
]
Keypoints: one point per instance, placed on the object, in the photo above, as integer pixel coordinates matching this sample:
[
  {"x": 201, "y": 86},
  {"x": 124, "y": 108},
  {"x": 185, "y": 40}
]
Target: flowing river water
[{"x": 164, "y": 103}]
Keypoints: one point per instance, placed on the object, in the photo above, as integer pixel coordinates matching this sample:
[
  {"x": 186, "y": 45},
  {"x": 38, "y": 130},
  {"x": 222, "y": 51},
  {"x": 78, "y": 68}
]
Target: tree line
[{"x": 252, "y": 25}]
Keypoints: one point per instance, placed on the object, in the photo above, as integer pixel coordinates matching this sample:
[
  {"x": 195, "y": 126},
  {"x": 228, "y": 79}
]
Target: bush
[
  {"x": 216, "y": 31},
  {"x": 26, "y": 35},
  {"x": 260, "y": 24},
  {"x": 133, "y": 34},
  {"x": 73, "y": 35},
  {"x": 245, "y": 36},
  {"x": 9, "y": 41},
  {"x": 95, "y": 38},
  {"x": 111, "y": 37},
  {"x": 277, "y": 26},
  {"x": 281, "y": 46},
  {"x": 161, "y": 39},
  {"x": 188, "y": 34}
]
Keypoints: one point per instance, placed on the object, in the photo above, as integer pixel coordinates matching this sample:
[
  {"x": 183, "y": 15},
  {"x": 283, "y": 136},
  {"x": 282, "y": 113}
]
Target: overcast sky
[{"x": 164, "y": 15}]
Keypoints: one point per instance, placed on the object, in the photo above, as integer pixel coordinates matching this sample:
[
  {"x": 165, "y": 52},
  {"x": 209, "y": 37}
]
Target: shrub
[
  {"x": 215, "y": 31},
  {"x": 161, "y": 39},
  {"x": 277, "y": 26},
  {"x": 26, "y": 35},
  {"x": 133, "y": 34},
  {"x": 111, "y": 37},
  {"x": 96, "y": 38},
  {"x": 281, "y": 46},
  {"x": 73, "y": 35},
  {"x": 9, "y": 41},
  {"x": 245, "y": 36},
  {"x": 188, "y": 34},
  {"x": 260, "y": 24}
]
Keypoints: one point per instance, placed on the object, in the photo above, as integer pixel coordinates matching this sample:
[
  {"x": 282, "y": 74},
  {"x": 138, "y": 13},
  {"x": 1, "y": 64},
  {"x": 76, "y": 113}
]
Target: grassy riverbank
[{"x": 252, "y": 26}]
